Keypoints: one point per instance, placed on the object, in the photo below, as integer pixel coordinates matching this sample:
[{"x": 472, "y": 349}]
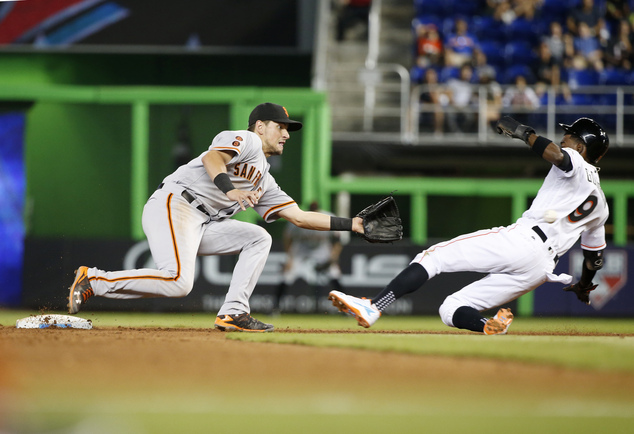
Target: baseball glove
[
  {"x": 510, "y": 127},
  {"x": 382, "y": 222},
  {"x": 583, "y": 293}
]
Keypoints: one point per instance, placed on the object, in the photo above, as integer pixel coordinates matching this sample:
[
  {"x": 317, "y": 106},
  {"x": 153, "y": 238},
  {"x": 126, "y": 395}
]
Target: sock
[
  {"x": 408, "y": 280},
  {"x": 468, "y": 318}
]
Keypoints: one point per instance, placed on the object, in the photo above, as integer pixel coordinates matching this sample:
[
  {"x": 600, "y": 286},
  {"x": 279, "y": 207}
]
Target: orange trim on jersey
[
  {"x": 277, "y": 208},
  {"x": 222, "y": 148},
  {"x": 602, "y": 246},
  {"x": 178, "y": 261}
]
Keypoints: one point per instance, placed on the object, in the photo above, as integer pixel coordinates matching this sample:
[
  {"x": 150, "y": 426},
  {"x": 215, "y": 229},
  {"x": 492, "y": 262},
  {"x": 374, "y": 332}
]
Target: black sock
[
  {"x": 408, "y": 280},
  {"x": 468, "y": 318}
]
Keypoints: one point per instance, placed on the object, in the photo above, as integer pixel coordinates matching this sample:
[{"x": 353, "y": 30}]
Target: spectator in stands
[
  {"x": 520, "y": 99},
  {"x": 481, "y": 67},
  {"x": 504, "y": 12},
  {"x": 545, "y": 69},
  {"x": 588, "y": 47},
  {"x": 350, "y": 14},
  {"x": 615, "y": 12},
  {"x": 486, "y": 79},
  {"x": 459, "y": 46},
  {"x": 526, "y": 8},
  {"x": 435, "y": 98},
  {"x": 588, "y": 14},
  {"x": 556, "y": 43},
  {"x": 462, "y": 116},
  {"x": 429, "y": 46},
  {"x": 620, "y": 51}
]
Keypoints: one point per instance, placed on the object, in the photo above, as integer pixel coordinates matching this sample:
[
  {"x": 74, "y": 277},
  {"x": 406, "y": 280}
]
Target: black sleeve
[{"x": 566, "y": 164}]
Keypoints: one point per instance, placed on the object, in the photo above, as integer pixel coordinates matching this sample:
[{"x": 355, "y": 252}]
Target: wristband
[
  {"x": 223, "y": 182},
  {"x": 540, "y": 145},
  {"x": 340, "y": 224}
]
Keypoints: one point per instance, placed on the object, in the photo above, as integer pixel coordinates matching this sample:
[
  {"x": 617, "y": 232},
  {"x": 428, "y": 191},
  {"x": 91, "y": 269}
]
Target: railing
[{"x": 611, "y": 106}]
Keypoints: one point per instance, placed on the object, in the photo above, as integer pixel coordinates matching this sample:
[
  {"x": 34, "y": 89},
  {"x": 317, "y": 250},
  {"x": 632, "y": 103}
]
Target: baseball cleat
[
  {"x": 241, "y": 323},
  {"x": 80, "y": 290},
  {"x": 361, "y": 309},
  {"x": 500, "y": 323}
]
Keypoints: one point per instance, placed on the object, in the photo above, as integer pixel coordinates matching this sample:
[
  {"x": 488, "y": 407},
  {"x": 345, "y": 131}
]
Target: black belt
[
  {"x": 189, "y": 198},
  {"x": 543, "y": 236}
]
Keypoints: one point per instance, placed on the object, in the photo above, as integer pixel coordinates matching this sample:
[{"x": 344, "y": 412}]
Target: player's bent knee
[
  {"x": 447, "y": 310},
  {"x": 262, "y": 237},
  {"x": 181, "y": 288}
]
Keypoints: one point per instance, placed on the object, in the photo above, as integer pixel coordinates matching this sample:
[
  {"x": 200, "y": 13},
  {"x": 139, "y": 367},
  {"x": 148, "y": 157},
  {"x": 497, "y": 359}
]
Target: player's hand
[
  {"x": 582, "y": 292},
  {"x": 244, "y": 198},
  {"x": 357, "y": 225},
  {"x": 510, "y": 127}
]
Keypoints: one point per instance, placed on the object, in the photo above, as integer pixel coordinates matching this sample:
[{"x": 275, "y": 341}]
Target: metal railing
[{"x": 611, "y": 106}]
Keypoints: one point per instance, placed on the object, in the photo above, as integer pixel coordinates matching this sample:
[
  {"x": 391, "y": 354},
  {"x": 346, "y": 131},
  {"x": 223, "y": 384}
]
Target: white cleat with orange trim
[{"x": 361, "y": 309}]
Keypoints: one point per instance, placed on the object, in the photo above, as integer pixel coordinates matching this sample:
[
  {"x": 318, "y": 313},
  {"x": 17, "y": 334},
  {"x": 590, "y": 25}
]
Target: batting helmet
[{"x": 592, "y": 135}]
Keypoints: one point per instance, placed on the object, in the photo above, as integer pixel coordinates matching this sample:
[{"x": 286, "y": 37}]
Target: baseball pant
[
  {"x": 177, "y": 232},
  {"x": 515, "y": 259}
]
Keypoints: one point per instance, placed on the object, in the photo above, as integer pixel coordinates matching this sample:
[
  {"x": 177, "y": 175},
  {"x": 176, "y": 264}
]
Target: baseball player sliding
[
  {"x": 189, "y": 215},
  {"x": 520, "y": 257}
]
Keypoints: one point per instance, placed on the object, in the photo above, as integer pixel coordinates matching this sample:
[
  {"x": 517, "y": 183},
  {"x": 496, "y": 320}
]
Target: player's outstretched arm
[
  {"x": 542, "y": 146},
  {"x": 319, "y": 221}
]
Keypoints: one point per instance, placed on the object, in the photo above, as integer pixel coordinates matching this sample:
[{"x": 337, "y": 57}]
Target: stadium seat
[
  {"x": 494, "y": 51},
  {"x": 522, "y": 30},
  {"x": 555, "y": 10},
  {"x": 614, "y": 77},
  {"x": 582, "y": 77},
  {"x": 448, "y": 72},
  {"x": 519, "y": 52},
  {"x": 512, "y": 72},
  {"x": 430, "y": 7},
  {"x": 486, "y": 28}
]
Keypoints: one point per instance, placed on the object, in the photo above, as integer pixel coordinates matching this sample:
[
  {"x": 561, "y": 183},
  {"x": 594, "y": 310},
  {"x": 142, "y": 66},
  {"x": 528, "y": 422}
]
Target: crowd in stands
[{"x": 524, "y": 45}]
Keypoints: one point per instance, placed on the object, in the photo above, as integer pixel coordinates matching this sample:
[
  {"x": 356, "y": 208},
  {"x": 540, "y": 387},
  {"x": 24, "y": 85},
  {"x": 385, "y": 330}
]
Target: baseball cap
[{"x": 273, "y": 112}]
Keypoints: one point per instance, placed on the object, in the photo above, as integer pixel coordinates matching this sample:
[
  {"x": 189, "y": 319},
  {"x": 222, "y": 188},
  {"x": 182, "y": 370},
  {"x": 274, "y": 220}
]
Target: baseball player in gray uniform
[
  {"x": 520, "y": 257},
  {"x": 189, "y": 215}
]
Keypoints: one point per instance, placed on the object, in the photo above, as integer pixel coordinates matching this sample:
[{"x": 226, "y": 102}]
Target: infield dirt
[{"x": 115, "y": 367}]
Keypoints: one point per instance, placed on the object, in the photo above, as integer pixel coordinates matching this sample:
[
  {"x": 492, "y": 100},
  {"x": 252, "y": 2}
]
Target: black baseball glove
[
  {"x": 510, "y": 127},
  {"x": 382, "y": 222},
  {"x": 582, "y": 292}
]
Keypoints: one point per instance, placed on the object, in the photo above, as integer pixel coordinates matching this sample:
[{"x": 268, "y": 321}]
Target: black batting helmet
[{"x": 592, "y": 135}]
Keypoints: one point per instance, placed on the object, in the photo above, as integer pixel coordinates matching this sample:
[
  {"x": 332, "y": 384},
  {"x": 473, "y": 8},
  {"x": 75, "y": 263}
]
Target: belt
[
  {"x": 543, "y": 236},
  {"x": 189, "y": 198}
]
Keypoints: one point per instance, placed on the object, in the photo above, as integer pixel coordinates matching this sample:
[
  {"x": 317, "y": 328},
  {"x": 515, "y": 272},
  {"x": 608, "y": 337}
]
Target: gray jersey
[{"x": 248, "y": 170}]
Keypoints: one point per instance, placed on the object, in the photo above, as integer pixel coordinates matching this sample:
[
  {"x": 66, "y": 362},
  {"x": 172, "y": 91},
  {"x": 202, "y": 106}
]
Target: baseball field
[{"x": 169, "y": 373}]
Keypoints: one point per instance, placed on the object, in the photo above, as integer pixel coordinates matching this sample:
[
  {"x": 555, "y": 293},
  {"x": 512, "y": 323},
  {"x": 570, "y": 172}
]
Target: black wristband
[
  {"x": 340, "y": 224},
  {"x": 540, "y": 145},
  {"x": 223, "y": 182}
]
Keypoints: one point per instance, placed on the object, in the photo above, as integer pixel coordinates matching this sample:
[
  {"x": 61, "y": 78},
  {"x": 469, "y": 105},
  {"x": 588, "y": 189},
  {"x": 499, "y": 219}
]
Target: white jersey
[
  {"x": 578, "y": 204},
  {"x": 248, "y": 170}
]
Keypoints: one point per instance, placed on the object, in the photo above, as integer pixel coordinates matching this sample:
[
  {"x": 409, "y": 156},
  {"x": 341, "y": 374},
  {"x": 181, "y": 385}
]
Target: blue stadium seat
[
  {"x": 582, "y": 77},
  {"x": 494, "y": 52},
  {"x": 448, "y": 72},
  {"x": 519, "y": 52},
  {"x": 522, "y": 30},
  {"x": 555, "y": 10},
  {"x": 486, "y": 28},
  {"x": 430, "y": 7},
  {"x": 469, "y": 8},
  {"x": 512, "y": 72},
  {"x": 614, "y": 77}
]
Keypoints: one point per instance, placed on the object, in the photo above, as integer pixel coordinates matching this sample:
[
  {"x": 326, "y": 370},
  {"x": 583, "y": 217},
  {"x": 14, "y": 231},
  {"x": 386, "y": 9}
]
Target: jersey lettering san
[{"x": 248, "y": 172}]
